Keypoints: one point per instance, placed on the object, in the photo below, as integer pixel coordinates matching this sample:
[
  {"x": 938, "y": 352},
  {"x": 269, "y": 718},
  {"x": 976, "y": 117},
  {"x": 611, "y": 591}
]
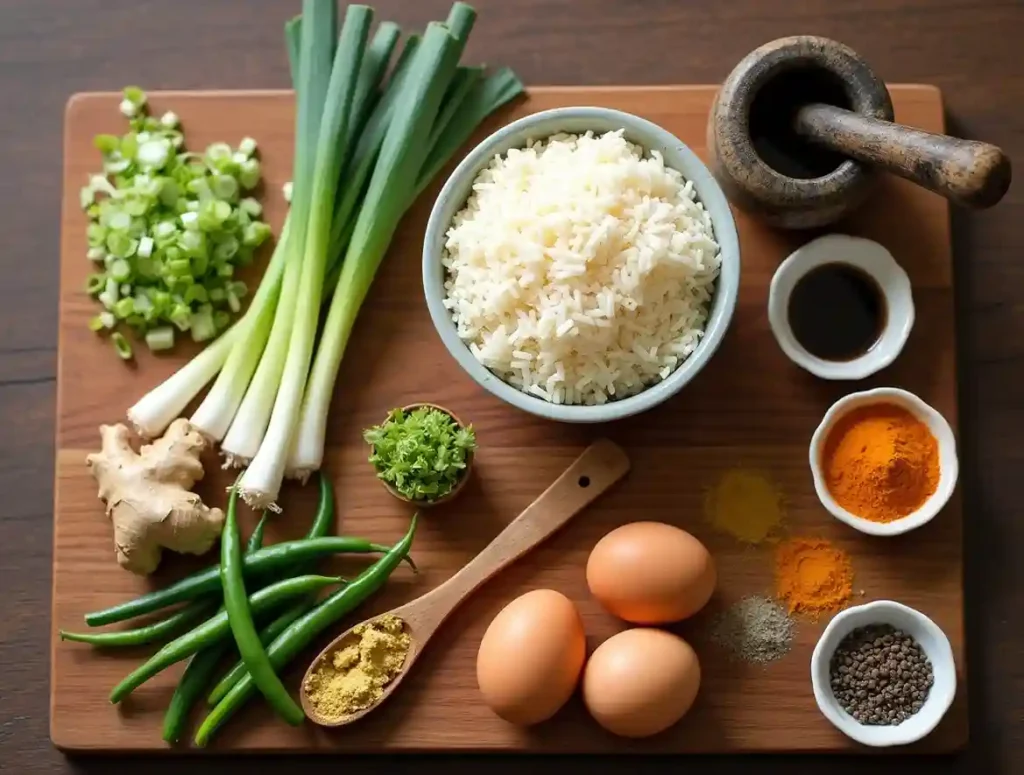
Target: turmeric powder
[
  {"x": 880, "y": 462},
  {"x": 746, "y": 504},
  {"x": 811, "y": 575},
  {"x": 353, "y": 677}
]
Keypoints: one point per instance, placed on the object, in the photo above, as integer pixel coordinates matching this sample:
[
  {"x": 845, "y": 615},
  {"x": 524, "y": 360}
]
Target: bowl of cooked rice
[{"x": 581, "y": 264}]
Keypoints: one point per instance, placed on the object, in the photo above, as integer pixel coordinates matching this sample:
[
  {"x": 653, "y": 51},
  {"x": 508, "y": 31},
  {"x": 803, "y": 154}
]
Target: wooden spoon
[{"x": 598, "y": 468}]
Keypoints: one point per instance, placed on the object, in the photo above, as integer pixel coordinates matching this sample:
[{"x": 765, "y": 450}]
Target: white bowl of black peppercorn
[{"x": 937, "y": 662}]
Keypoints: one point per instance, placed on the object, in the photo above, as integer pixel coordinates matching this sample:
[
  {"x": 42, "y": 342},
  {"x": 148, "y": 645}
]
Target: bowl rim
[
  {"x": 648, "y": 135},
  {"x": 949, "y": 466},
  {"x": 869, "y": 256},
  {"x": 942, "y": 659}
]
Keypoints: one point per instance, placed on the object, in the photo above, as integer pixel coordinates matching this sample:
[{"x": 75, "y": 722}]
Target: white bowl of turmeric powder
[{"x": 883, "y": 461}]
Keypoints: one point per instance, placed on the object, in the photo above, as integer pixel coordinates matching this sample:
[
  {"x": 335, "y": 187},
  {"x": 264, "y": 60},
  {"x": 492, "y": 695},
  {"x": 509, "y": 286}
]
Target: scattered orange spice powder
[{"x": 812, "y": 575}]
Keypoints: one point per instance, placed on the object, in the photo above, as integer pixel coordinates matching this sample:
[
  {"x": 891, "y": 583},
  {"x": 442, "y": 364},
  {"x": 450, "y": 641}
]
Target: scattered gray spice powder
[{"x": 755, "y": 629}]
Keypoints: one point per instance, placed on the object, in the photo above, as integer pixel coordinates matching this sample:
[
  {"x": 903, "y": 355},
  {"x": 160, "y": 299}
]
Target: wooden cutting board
[{"x": 750, "y": 407}]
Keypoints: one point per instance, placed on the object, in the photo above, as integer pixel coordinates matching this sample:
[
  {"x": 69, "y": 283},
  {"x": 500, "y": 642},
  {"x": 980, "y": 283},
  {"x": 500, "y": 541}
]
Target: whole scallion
[
  {"x": 366, "y": 147},
  {"x": 390, "y": 192},
  {"x": 321, "y": 151}
]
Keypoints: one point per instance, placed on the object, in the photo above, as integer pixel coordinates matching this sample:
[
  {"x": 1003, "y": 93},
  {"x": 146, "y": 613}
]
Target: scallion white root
[{"x": 152, "y": 413}]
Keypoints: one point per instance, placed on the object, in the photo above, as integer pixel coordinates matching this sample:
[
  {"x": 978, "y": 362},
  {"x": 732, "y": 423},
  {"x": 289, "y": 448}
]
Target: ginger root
[{"x": 148, "y": 495}]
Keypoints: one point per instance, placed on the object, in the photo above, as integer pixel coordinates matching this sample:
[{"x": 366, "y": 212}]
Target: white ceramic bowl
[
  {"x": 578, "y": 120},
  {"x": 868, "y": 256},
  {"x": 948, "y": 464},
  {"x": 936, "y": 647}
]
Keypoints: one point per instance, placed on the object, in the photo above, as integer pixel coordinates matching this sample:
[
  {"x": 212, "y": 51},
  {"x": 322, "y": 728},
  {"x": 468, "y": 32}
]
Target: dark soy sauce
[
  {"x": 771, "y": 121},
  {"x": 837, "y": 312}
]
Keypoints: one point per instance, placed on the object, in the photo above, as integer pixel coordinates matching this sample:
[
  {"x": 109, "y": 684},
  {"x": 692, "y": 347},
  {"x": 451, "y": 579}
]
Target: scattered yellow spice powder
[
  {"x": 746, "y": 504},
  {"x": 354, "y": 676}
]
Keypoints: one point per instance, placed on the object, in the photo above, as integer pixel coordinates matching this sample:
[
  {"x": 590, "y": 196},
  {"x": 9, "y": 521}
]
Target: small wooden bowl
[{"x": 458, "y": 485}]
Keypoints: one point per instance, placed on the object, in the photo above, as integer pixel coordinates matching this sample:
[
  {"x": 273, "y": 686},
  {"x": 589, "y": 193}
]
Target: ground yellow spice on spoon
[
  {"x": 353, "y": 677},
  {"x": 746, "y": 504}
]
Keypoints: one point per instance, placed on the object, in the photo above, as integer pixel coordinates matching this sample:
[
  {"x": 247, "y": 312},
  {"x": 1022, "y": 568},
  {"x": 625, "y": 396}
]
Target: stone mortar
[{"x": 763, "y": 191}]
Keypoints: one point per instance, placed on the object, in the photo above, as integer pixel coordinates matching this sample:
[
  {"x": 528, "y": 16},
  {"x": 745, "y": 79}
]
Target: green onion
[
  {"x": 482, "y": 99},
  {"x": 160, "y": 338},
  {"x": 463, "y": 81},
  {"x": 160, "y": 220},
  {"x": 391, "y": 187},
  {"x": 249, "y": 423},
  {"x": 124, "y": 350},
  {"x": 151, "y": 415},
  {"x": 201, "y": 324},
  {"x": 317, "y": 166},
  {"x": 375, "y": 62},
  {"x": 365, "y": 149},
  {"x": 124, "y": 308},
  {"x": 95, "y": 284},
  {"x": 293, "y": 43},
  {"x": 365, "y": 153}
]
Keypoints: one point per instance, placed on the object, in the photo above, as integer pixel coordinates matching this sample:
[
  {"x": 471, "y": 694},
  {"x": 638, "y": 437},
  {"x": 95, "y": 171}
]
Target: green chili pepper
[
  {"x": 193, "y": 682},
  {"x": 215, "y": 629},
  {"x": 152, "y": 633},
  {"x": 297, "y": 636},
  {"x": 321, "y": 525},
  {"x": 267, "y": 635},
  {"x": 256, "y": 539},
  {"x": 324, "y": 520},
  {"x": 260, "y": 564},
  {"x": 243, "y": 628},
  {"x": 202, "y": 665}
]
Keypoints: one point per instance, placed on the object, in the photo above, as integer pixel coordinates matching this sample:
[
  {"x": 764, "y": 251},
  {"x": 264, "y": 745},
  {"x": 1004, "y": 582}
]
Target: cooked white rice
[{"x": 581, "y": 269}]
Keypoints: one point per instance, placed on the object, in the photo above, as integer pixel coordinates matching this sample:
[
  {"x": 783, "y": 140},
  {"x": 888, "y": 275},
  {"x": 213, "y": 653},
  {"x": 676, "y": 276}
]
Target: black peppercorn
[{"x": 880, "y": 675}]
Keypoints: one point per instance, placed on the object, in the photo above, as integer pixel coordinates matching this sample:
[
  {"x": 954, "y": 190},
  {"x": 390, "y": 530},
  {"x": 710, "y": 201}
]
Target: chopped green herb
[
  {"x": 124, "y": 350},
  {"x": 422, "y": 454},
  {"x": 167, "y": 228}
]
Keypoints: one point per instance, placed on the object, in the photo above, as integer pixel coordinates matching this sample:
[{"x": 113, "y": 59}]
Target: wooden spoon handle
[
  {"x": 967, "y": 172},
  {"x": 601, "y": 465}
]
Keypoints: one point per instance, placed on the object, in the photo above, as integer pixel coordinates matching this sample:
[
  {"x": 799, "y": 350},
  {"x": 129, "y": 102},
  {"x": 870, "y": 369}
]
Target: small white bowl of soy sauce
[{"x": 841, "y": 307}]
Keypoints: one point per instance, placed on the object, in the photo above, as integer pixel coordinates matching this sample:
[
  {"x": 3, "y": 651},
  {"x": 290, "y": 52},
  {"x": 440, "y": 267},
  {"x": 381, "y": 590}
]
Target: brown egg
[
  {"x": 640, "y": 682},
  {"x": 531, "y": 657},
  {"x": 651, "y": 573}
]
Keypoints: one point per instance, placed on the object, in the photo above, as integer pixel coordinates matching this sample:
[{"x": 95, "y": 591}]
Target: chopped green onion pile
[
  {"x": 365, "y": 147},
  {"x": 167, "y": 229}
]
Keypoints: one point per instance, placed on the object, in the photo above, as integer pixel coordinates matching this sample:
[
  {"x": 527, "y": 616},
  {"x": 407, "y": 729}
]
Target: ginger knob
[{"x": 148, "y": 495}]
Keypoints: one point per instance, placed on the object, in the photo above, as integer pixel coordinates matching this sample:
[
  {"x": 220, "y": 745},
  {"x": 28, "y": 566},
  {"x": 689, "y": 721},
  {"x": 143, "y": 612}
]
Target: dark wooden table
[{"x": 50, "y": 49}]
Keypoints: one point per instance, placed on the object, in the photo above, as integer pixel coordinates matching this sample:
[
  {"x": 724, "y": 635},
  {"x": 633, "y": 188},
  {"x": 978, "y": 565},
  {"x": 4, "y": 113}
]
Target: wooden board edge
[
  {"x": 66, "y": 201},
  {"x": 79, "y": 95},
  {"x": 861, "y": 753},
  {"x": 962, "y": 730}
]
